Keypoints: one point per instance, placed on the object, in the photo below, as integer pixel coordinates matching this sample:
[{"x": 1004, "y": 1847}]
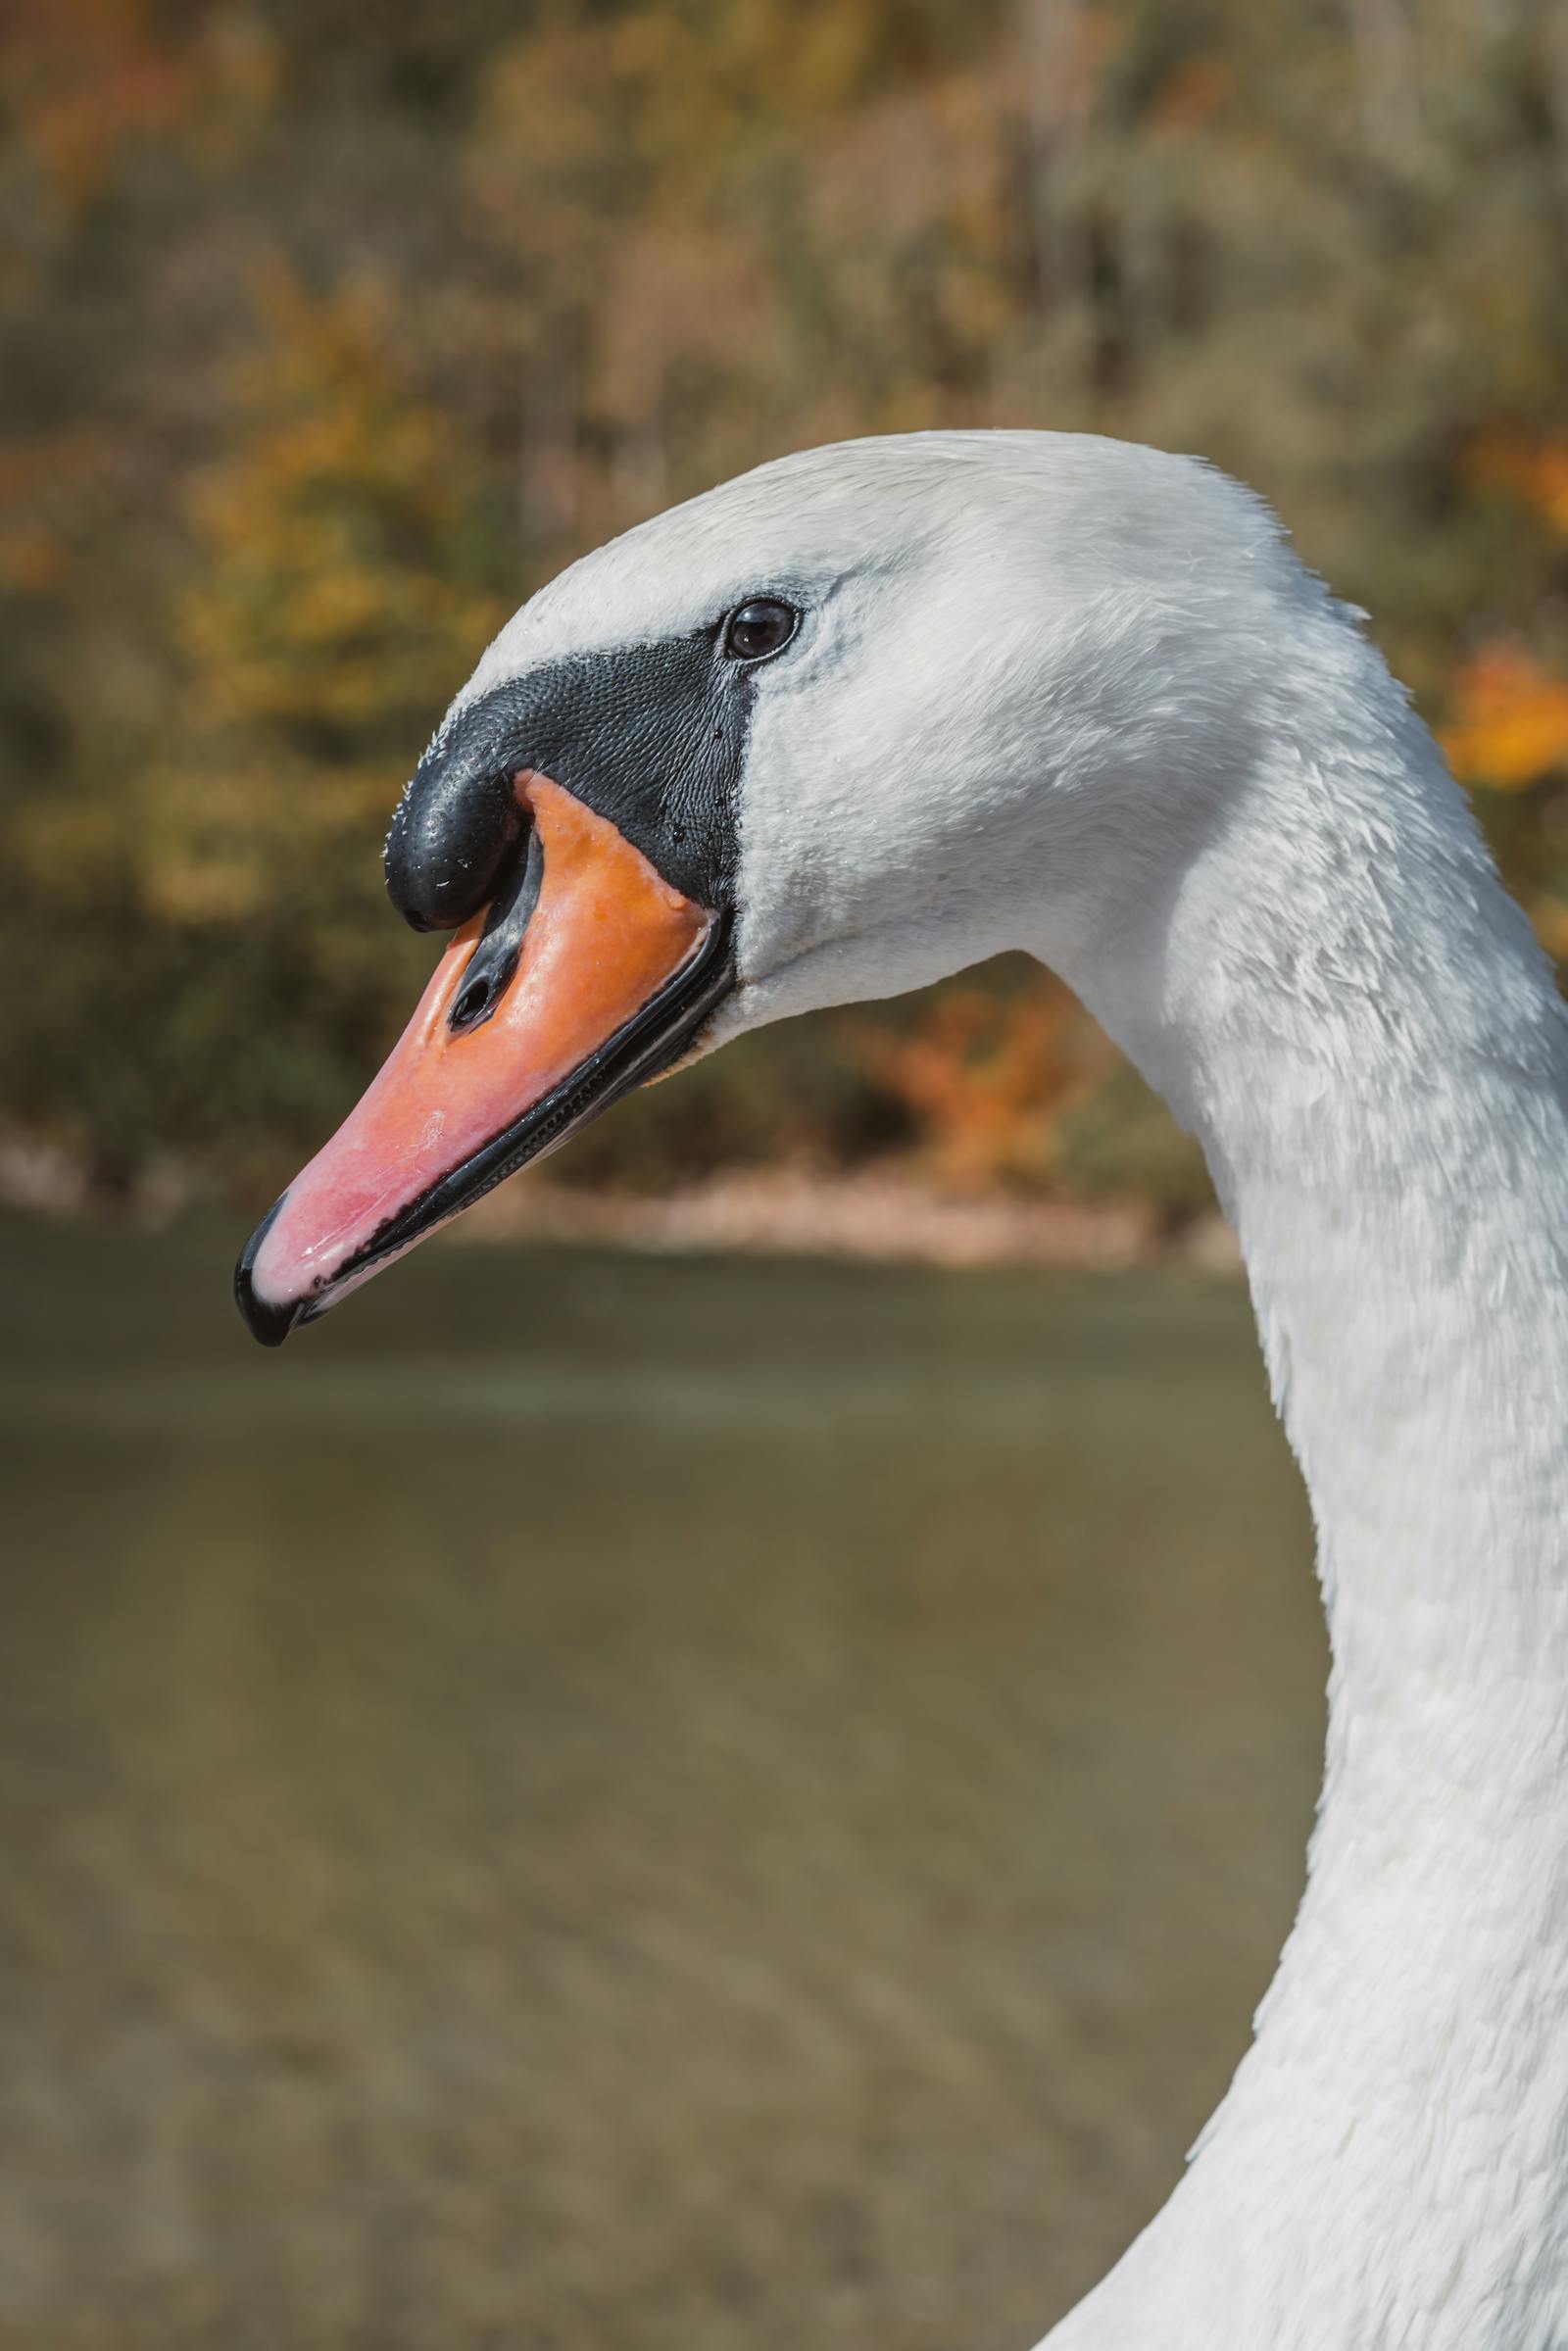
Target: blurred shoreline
[
  {"x": 886, "y": 1211},
  {"x": 880, "y": 1213}
]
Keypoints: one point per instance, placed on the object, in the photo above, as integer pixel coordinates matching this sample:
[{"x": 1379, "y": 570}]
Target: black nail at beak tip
[{"x": 269, "y": 1325}]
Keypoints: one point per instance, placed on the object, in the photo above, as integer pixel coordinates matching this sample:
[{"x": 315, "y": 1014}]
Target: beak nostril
[{"x": 495, "y": 959}]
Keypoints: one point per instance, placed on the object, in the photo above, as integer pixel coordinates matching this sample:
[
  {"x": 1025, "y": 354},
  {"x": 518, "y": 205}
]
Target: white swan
[{"x": 875, "y": 711}]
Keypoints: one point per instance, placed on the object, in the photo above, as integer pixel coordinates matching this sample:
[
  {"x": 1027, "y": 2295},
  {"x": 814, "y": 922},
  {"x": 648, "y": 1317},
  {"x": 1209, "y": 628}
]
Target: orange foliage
[
  {"x": 1535, "y": 470},
  {"x": 986, "y": 1078},
  {"x": 1193, "y": 94},
  {"x": 84, "y": 80},
  {"x": 1509, "y": 727},
  {"x": 55, "y": 485},
  {"x": 92, "y": 72}
]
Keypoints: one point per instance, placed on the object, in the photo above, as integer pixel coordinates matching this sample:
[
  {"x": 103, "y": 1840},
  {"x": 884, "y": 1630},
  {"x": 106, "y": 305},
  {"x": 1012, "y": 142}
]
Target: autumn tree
[
  {"x": 326, "y": 334},
  {"x": 234, "y": 966}
]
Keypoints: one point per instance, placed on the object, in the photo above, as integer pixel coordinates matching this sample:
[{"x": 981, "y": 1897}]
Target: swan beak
[{"x": 587, "y": 974}]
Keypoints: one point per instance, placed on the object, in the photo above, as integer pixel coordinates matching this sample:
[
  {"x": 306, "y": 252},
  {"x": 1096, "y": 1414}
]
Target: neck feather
[{"x": 1348, "y": 1009}]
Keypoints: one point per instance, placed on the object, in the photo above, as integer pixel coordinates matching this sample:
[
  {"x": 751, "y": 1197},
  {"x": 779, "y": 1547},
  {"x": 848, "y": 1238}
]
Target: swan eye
[{"x": 755, "y": 629}]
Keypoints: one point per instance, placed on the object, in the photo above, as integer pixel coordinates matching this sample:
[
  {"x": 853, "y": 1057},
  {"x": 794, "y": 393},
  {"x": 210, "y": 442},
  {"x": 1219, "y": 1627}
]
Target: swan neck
[{"x": 1348, "y": 1009}]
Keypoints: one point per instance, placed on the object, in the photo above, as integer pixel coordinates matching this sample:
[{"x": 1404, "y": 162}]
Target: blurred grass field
[{"x": 611, "y": 1805}]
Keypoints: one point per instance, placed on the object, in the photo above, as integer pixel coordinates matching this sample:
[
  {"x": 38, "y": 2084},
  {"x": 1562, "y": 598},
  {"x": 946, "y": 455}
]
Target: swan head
[{"x": 831, "y": 731}]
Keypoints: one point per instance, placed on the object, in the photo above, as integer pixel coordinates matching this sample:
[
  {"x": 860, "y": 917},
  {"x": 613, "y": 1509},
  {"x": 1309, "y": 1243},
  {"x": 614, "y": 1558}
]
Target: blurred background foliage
[{"x": 328, "y": 330}]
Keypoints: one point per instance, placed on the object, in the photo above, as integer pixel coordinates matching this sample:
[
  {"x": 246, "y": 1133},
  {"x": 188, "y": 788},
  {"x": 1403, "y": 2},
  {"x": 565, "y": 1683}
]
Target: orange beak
[{"x": 589, "y": 974}]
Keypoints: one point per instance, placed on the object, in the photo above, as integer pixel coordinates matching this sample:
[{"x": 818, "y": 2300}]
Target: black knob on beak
[{"x": 456, "y": 825}]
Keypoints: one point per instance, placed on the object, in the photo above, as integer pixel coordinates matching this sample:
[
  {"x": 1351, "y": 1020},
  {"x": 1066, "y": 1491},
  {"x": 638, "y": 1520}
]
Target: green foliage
[{"x": 327, "y": 333}]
